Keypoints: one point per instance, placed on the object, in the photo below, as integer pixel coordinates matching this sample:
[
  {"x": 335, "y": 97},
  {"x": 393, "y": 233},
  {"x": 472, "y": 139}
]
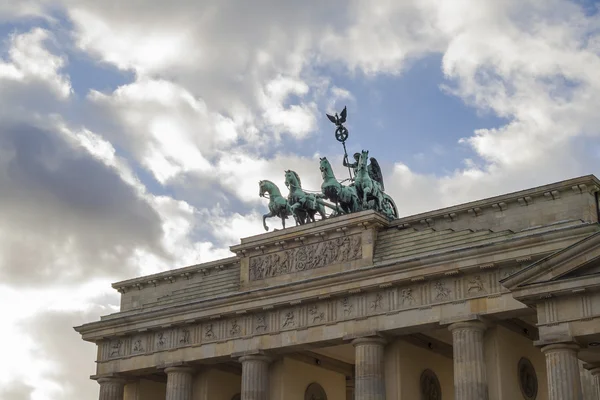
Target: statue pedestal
[{"x": 326, "y": 247}]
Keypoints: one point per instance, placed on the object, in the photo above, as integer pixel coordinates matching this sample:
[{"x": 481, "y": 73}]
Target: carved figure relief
[
  {"x": 347, "y": 306},
  {"x": 314, "y": 391},
  {"x": 430, "y": 386},
  {"x": 235, "y": 328},
  {"x": 289, "y": 321},
  {"x": 261, "y": 323},
  {"x": 376, "y": 303},
  {"x": 208, "y": 331},
  {"x": 475, "y": 285},
  {"x": 406, "y": 296},
  {"x": 161, "y": 339},
  {"x": 527, "y": 379},
  {"x": 442, "y": 291},
  {"x": 138, "y": 346},
  {"x": 185, "y": 337},
  {"x": 115, "y": 348},
  {"x": 315, "y": 314},
  {"x": 316, "y": 255}
]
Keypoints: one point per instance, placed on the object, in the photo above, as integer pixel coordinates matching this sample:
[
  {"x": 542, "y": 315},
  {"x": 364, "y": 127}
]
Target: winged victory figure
[{"x": 375, "y": 172}]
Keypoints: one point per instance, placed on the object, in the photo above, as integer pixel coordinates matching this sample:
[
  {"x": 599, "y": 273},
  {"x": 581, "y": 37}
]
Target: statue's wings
[
  {"x": 343, "y": 115},
  {"x": 332, "y": 118},
  {"x": 375, "y": 172}
]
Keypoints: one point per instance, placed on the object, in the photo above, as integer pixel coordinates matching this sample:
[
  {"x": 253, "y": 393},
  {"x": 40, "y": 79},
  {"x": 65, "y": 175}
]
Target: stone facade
[{"x": 495, "y": 299}]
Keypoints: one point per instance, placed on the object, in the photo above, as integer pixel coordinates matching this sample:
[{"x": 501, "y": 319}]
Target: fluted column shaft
[
  {"x": 470, "y": 380},
  {"x": 255, "y": 377},
  {"x": 596, "y": 375},
  {"x": 179, "y": 383},
  {"x": 369, "y": 378},
  {"x": 562, "y": 368},
  {"x": 111, "y": 388}
]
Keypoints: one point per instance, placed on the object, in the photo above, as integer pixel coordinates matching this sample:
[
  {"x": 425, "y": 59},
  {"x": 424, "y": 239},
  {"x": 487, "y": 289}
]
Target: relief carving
[
  {"x": 161, "y": 339},
  {"x": 138, "y": 346},
  {"x": 315, "y": 314},
  {"x": 115, "y": 348},
  {"x": 208, "y": 332},
  {"x": 376, "y": 303},
  {"x": 347, "y": 306},
  {"x": 443, "y": 293},
  {"x": 406, "y": 296},
  {"x": 307, "y": 257},
  {"x": 475, "y": 285},
  {"x": 261, "y": 323},
  {"x": 185, "y": 337},
  {"x": 235, "y": 328},
  {"x": 289, "y": 321}
]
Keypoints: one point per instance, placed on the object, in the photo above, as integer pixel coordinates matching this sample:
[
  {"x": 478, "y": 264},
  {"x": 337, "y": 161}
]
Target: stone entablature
[
  {"x": 413, "y": 292},
  {"x": 416, "y": 297},
  {"x": 466, "y": 260},
  {"x": 566, "y": 200}
]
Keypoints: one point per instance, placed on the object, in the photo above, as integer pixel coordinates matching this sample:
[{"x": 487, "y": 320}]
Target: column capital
[
  {"x": 595, "y": 371},
  {"x": 110, "y": 379},
  {"x": 255, "y": 357},
  {"x": 472, "y": 325},
  {"x": 369, "y": 340},
  {"x": 570, "y": 346},
  {"x": 180, "y": 368}
]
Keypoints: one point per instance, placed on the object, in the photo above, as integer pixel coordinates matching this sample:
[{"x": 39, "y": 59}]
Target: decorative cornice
[{"x": 585, "y": 184}]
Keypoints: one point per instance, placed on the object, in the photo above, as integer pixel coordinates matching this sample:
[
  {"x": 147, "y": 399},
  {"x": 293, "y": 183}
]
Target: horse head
[
  {"x": 292, "y": 178},
  {"x": 364, "y": 158},
  {"x": 261, "y": 188}
]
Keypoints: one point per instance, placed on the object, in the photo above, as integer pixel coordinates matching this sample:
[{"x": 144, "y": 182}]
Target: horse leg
[
  {"x": 282, "y": 222},
  {"x": 269, "y": 215},
  {"x": 321, "y": 211}
]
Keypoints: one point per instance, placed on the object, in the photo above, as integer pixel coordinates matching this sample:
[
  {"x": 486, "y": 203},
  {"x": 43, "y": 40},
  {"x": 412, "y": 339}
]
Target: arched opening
[
  {"x": 314, "y": 391},
  {"x": 430, "y": 386}
]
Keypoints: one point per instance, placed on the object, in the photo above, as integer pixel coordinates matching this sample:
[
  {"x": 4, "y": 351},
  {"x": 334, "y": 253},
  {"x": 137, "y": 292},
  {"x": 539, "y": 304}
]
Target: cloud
[
  {"x": 65, "y": 214},
  {"x": 16, "y": 390},
  {"x": 65, "y": 355},
  {"x": 30, "y": 62}
]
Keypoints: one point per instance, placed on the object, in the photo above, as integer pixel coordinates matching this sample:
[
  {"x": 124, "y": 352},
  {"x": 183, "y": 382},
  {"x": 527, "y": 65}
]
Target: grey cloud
[
  {"x": 56, "y": 341},
  {"x": 16, "y": 390},
  {"x": 64, "y": 215}
]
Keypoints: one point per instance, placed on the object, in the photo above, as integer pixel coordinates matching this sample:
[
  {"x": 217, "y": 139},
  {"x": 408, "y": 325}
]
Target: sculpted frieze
[
  {"x": 311, "y": 256},
  {"x": 330, "y": 310}
]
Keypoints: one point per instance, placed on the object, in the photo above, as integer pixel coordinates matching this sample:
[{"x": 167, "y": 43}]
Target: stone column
[
  {"x": 470, "y": 380},
  {"x": 369, "y": 378},
  {"x": 179, "y": 383},
  {"x": 596, "y": 375},
  {"x": 111, "y": 388},
  {"x": 562, "y": 368},
  {"x": 255, "y": 377}
]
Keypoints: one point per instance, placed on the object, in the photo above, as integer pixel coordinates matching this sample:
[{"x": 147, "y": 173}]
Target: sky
[{"x": 133, "y": 134}]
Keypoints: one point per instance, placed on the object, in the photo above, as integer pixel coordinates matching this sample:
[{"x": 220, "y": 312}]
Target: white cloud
[{"x": 30, "y": 61}]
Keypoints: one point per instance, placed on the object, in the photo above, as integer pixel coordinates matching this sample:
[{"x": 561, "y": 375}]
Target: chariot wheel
[{"x": 389, "y": 207}]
